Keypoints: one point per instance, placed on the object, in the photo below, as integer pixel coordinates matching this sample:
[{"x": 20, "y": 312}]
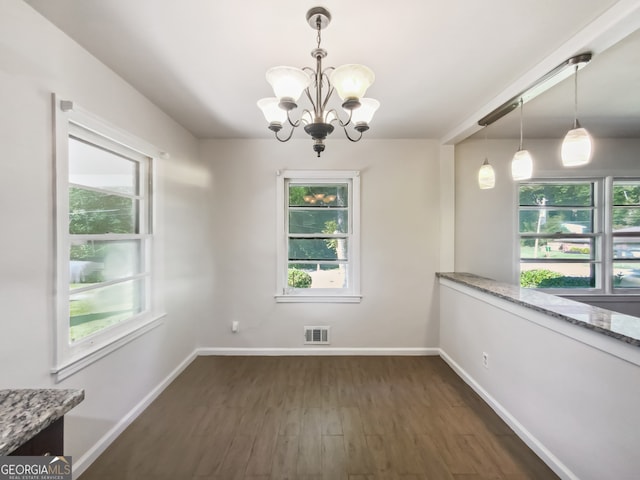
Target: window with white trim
[
  {"x": 318, "y": 236},
  {"x": 580, "y": 235},
  {"x": 625, "y": 234},
  {"x": 104, "y": 235}
]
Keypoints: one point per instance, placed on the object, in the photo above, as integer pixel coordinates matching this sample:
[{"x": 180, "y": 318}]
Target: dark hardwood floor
[{"x": 313, "y": 418}]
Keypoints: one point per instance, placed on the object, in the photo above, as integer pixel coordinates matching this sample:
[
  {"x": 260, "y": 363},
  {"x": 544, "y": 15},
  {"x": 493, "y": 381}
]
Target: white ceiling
[{"x": 439, "y": 66}]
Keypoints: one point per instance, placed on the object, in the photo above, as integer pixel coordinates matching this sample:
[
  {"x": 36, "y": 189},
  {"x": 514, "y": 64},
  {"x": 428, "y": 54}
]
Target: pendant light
[
  {"x": 486, "y": 174},
  {"x": 576, "y": 146},
  {"x": 522, "y": 163}
]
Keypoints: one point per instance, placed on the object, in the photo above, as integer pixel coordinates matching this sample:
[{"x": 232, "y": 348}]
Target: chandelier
[{"x": 349, "y": 81}]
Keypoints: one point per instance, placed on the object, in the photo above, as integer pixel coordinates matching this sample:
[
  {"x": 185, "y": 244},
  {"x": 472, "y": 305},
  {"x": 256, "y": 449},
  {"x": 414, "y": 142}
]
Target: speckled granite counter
[
  {"x": 617, "y": 325},
  {"x": 24, "y": 413}
]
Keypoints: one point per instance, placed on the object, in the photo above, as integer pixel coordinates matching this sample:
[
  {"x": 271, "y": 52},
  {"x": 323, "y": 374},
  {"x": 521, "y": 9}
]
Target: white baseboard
[
  {"x": 532, "y": 442},
  {"x": 79, "y": 466},
  {"x": 318, "y": 351}
]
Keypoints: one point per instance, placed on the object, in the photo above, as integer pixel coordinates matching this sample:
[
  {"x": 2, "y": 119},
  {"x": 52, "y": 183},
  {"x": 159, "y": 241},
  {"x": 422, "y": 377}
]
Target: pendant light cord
[
  {"x": 575, "y": 99},
  {"x": 521, "y": 106},
  {"x": 486, "y": 144}
]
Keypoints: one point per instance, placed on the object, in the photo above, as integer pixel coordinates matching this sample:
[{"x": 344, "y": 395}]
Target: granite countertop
[
  {"x": 26, "y": 412},
  {"x": 617, "y": 325}
]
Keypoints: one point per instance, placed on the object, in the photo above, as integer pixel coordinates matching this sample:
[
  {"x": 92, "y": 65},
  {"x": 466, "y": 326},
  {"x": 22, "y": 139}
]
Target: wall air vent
[{"x": 316, "y": 335}]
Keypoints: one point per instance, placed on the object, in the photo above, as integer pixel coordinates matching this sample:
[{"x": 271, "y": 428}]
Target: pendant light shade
[
  {"x": 576, "y": 148},
  {"x": 522, "y": 165},
  {"x": 577, "y": 145},
  {"x": 486, "y": 176}
]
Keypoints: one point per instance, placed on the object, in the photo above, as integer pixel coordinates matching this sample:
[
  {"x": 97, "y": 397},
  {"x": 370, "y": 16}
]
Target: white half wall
[
  {"x": 575, "y": 405},
  {"x": 37, "y": 59},
  {"x": 400, "y": 244}
]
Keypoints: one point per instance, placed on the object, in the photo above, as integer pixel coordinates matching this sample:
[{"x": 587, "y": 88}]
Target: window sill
[
  {"x": 74, "y": 365},
  {"x": 318, "y": 298}
]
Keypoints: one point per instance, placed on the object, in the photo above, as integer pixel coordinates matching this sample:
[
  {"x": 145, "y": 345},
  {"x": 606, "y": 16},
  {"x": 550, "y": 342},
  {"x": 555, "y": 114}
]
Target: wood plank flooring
[{"x": 318, "y": 418}]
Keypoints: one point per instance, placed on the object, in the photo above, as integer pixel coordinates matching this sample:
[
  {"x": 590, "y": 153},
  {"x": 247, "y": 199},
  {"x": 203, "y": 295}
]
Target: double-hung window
[
  {"x": 625, "y": 234},
  {"x": 318, "y": 236},
  {"x": 560, "y": 234},
  {"x": 580, "y": 235},
  {"x": 105, "y": 242}
]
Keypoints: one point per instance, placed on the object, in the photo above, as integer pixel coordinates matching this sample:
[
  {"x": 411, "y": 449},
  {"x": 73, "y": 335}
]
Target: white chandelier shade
[
  {"x": 288, "y": 82},
  {"x": 270, "y": 107},
  {"x": 351, "y": 81},
  {"x": 364, "y": 113}
]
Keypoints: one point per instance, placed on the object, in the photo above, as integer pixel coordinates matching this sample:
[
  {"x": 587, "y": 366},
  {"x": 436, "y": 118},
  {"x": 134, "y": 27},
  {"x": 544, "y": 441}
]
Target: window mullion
[{"x": 606, "y": 250}]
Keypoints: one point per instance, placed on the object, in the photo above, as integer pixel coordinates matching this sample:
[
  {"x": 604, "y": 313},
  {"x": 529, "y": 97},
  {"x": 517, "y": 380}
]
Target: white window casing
[
  {"x": 616, "y": 251},
  {"x": 347, "y": 261},
  {"x": 136, "y": 254}
]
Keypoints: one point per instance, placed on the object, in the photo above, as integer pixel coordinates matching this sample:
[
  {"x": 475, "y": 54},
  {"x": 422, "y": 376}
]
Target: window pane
[
  {"x": 318, "y": 221},
  {"x": 550, "y": 248},
  {"x": 626, "y": 219},
  {"x": 94, "y": 310},
  {"x": 568, "y": 195},
  {"x": 626, "y": 274},
  {"x": 92, "y": 212},
  {"x": 95, "y": 167},
  {"x": 317, "y": 249},
  {"x": 626, "y": 247},
  {"x": 319, "y": 195},
  {"x": 557, "y": 275},
  {"x": 317, "y": 276},
  {"x": 100, "y": 261},
  {"x": 627, "y": 193},
  {"x": 545, "y": 220}
]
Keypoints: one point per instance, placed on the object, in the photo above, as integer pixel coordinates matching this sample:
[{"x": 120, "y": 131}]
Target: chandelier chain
[{"x": 318, "y": 29}]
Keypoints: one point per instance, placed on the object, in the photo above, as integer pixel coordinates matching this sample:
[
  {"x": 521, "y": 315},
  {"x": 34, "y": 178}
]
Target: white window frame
[
  {"x": 286, "y": 294},
  {"x": 610, "y": 235},
  {"x": 71, "y": 120},
  {"x": 602, "y": 233}
]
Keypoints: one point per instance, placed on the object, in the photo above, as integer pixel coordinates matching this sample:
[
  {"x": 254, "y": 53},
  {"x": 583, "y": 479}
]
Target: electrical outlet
[{"x": 485, "y": 359}]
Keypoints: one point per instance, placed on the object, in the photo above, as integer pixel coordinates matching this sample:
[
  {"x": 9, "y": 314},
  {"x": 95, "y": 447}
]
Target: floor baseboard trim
[
  {"x": 532, "y": 442},
  {"x": 94, "y": 452},
  {"x": 318, "y": 351}
]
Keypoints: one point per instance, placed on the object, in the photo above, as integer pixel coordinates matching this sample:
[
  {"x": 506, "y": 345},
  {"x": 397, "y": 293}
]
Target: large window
[
  {"x": 318, "y": 236},
  {"x": 580, "y": 234},
  {"x": 625, "y": 230},
  {"x": 105, "y": 250}
]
